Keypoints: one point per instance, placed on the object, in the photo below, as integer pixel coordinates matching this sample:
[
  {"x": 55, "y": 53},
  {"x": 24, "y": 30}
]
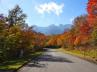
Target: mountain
[{"x": 53, "y": 29}]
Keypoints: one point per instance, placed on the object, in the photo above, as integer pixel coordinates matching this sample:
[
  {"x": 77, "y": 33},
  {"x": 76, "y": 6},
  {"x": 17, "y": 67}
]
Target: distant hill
[{"x": 53, "y": 29}]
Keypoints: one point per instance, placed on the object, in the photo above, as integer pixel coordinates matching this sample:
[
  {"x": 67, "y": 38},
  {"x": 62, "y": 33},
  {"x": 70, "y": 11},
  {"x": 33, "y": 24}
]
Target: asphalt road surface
[{"x": 54, "y": 61}]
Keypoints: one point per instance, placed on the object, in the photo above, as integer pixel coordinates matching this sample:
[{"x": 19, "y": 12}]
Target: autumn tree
[
  {"x": 52, "y": 42},
  {"x": 82, "y": 30},
  {"x": 92, "y": 18},
  {"x": 39, "y": 40},
  {"x": 92, "y": 12}
]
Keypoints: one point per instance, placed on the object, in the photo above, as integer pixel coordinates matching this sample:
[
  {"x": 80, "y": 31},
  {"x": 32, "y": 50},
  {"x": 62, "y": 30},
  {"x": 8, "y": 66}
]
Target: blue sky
[{"x": 47, "y": 12}]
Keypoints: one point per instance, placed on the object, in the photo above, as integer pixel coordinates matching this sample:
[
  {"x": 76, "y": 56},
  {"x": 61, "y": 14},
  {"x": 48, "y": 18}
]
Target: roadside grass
[
  {"x": 14, "y": 64},
  {"x": 70, "y": 51},
  {"x": 90, "y": 55}
]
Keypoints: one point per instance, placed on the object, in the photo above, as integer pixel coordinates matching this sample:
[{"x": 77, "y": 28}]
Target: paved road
[{"x": 54, "y": 61}]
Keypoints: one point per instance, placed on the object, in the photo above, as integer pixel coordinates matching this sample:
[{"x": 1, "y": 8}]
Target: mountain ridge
[{"x": 52, "y": 29}]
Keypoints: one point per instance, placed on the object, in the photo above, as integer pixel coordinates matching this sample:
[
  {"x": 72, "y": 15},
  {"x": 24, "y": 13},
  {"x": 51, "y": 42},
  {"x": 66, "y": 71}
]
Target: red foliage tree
[{"x": 92, "y": 12}]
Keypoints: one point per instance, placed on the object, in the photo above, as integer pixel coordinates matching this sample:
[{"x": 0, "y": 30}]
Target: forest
[{"x": 18, "y": 40}]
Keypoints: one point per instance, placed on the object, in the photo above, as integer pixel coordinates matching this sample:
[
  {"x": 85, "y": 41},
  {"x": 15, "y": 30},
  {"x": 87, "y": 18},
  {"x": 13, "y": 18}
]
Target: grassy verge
[
  {"x": 87, "y": 55},
  {"x": 17, "y": 63}
]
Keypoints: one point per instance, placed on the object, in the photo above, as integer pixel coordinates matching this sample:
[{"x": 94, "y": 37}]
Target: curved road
[{"x": 54, "y": 61}]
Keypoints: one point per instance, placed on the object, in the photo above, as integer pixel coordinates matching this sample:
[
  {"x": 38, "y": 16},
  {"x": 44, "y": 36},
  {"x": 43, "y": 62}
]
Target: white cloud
[{"x": 51, "y": 7}]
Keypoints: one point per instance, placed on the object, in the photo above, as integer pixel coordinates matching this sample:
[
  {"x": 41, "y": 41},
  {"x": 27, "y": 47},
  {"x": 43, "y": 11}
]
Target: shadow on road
[
  {"x": 38, "y": 65},
  {"x": 6, "y": 70},
  {"x": 48, "y": 58},
  {"x": 51, "y": 58}
]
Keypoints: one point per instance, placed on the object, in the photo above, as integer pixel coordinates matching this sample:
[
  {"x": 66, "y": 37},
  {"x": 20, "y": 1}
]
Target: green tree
[
  {"x": 16, "y": 16},
  {"x": 2, "y": 37},
  {"x": 94, "y": 35}
]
